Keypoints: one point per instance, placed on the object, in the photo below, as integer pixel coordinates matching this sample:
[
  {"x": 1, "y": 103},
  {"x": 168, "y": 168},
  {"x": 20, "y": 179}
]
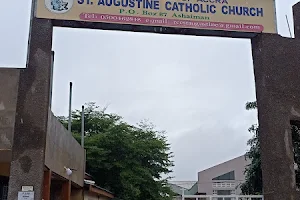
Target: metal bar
[
  {"x": 51, "y": 80},
  {"x": 287, "y": 21},
  {"x": 82, "y": 127},
  {"x": 70, "y": 108},
  {"x": 222, "y": 196}
]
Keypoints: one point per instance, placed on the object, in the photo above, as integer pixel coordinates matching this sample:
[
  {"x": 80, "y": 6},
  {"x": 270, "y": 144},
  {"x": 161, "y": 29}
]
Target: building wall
[
  {"x": 9, "y": 82},
  {"x": 4, "y": 169},
  {"x": 92, "y": 196},
  {"x": 205, "y": 177},
  {"x": 62, "y": 150},
  {"x": 77, "y": 193}
]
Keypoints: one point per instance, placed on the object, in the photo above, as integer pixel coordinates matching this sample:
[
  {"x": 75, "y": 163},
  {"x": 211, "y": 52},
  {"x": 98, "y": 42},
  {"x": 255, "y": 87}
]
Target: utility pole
[
  {"x": 70, "y": 108},
  {"x": 82, "y": 127}
]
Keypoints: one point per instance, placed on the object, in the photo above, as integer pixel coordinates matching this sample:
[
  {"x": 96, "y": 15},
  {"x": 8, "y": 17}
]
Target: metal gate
[{"x": 225, "y": 197}]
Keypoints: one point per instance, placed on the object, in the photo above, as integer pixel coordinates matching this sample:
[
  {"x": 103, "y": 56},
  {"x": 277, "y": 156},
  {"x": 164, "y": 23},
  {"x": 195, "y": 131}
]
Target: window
[
  {"x": 223, "y": 184},
  {"x": 223, "y": 192},
  {"x": 295, "y": 129},
  {"x": 227, "y": 176}
]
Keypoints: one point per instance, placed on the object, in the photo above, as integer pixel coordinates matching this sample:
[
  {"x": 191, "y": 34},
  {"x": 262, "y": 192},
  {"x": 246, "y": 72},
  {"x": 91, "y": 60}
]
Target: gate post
[
  {"x": 28, "y": 151},
  {"x": 277, "y": 80}
]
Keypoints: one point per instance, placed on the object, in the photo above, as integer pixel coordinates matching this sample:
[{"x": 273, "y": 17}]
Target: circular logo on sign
[{"x": 59, "y": 6}]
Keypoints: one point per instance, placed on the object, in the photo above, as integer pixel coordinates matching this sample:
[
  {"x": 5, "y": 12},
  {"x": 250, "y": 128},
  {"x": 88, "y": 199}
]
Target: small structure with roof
[{"x": 94, "y": 192}]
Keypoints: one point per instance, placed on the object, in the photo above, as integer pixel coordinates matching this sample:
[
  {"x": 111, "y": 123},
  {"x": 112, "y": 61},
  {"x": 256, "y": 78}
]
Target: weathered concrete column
[
  {"x": 27, "y": 166},
  {"x": 277, "y": 79}
]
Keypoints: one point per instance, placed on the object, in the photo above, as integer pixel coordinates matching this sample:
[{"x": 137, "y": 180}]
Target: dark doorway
[{"x": 3, "y": 187}]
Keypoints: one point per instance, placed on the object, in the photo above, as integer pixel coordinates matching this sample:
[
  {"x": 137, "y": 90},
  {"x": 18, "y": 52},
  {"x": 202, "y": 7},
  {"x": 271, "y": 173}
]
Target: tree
[
  {"x": 128, "y": 160},
  {"x": 253, "y": 173}
]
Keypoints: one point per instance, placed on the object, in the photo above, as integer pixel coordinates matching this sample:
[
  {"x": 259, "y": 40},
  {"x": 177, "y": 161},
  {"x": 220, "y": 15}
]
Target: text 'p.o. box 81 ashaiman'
[
  {"x": 226, "y": 15},
  {"x": 26, "y": 196}
]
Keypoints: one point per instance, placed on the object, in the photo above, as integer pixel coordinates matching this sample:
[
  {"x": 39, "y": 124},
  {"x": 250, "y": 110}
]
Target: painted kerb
[{"x": 227, "y": 15}]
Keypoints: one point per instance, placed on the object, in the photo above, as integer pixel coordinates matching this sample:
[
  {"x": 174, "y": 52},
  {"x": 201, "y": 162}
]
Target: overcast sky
[{"x": 195, "y": 88}]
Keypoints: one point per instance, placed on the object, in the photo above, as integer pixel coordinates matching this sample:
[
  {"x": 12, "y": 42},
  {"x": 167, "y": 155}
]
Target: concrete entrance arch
[{"x": 277, "y": 79}]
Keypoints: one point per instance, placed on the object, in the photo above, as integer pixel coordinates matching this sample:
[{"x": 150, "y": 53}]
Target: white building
[{"x": 223, "y": 179}]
